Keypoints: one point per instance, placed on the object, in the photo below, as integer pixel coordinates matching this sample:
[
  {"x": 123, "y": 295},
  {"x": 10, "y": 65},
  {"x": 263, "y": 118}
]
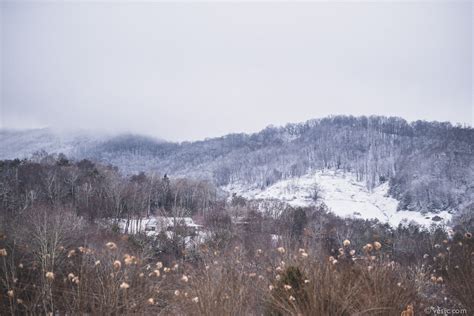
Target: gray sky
[{"x": 185, "y": 71}]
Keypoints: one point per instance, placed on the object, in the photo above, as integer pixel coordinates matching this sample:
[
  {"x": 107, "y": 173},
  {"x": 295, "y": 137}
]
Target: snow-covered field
[{"x": 343, "y": 194}]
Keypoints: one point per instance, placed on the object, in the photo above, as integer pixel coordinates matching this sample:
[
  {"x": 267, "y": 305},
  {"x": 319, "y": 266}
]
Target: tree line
[{"x": 95, "y": 190}]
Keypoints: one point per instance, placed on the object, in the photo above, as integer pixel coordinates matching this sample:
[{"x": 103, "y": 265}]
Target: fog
[{"x": 186, "y": 71}]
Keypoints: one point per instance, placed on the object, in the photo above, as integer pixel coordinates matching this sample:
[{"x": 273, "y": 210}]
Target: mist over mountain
[{"x": 429, "y": 165}]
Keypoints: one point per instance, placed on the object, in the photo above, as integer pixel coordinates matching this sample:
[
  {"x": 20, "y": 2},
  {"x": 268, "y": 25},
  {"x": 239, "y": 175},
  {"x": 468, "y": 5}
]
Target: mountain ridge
[{"x": 429, "y": 165}]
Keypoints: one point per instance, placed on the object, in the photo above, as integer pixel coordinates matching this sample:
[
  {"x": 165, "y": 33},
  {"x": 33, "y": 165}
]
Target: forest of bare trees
[{"x": 97, "y": 191}]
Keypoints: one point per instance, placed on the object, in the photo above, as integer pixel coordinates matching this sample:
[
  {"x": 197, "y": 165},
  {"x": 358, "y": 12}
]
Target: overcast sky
[{"x": 193, "y": 70}]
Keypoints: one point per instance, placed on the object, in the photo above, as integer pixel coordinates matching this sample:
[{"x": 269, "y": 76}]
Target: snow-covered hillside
[{"x": 343, "y": 194}]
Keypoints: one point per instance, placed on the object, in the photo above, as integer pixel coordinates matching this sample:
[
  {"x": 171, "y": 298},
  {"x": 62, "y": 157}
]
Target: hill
[{"x": 429, "y": 166}]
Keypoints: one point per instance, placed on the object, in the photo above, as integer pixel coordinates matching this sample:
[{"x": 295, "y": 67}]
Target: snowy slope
[{"x": 343, "y": 194}]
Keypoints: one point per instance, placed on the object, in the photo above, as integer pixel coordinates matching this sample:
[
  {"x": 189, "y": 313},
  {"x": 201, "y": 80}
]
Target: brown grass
[{"x": 104, "y": 279}]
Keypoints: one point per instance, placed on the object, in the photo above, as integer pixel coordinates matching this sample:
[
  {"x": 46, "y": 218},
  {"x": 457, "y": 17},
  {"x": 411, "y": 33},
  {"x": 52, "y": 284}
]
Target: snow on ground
[
  {"x": 343, "y": 194},
  {"x": 153, "y": 226}
]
